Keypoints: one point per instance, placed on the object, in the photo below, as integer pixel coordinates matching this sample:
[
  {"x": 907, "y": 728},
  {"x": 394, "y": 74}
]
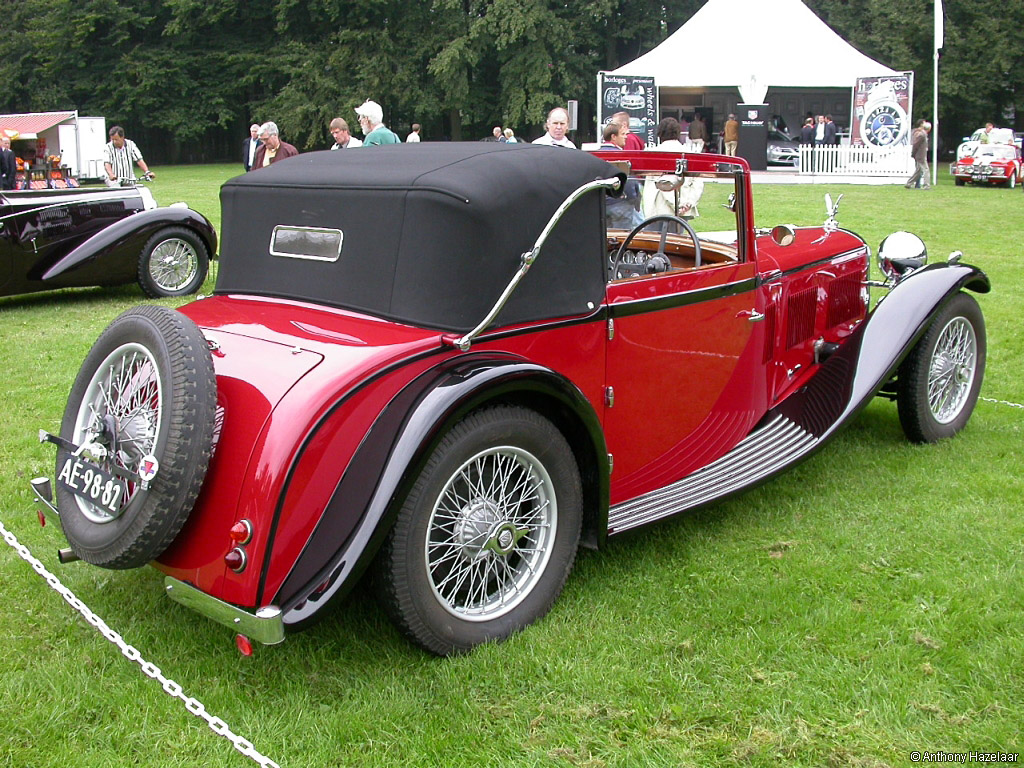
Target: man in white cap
[
  {"x": 371, "y": 120},
  {"x": 557, "y": 124}
]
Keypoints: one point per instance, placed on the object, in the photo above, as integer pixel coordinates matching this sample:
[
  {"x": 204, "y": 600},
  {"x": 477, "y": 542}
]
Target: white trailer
[{"x": 78, "y": 141}]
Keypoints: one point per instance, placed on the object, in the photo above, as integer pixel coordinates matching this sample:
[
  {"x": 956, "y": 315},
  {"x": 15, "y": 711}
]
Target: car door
[{"x": 685, "y": 372}]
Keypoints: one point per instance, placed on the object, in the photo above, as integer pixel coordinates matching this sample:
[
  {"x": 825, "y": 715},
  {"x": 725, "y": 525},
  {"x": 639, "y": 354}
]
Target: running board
[{"x": 761, "y": 454}]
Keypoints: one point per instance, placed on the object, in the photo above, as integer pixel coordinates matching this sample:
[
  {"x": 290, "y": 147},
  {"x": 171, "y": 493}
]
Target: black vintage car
[{"x": 57, "y": 238}]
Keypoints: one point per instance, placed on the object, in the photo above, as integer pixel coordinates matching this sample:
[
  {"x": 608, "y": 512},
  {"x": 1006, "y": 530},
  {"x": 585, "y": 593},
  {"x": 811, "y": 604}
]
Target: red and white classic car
[
  {"x": 990, "y": 164},
  {"x": 438, "y": 365}
]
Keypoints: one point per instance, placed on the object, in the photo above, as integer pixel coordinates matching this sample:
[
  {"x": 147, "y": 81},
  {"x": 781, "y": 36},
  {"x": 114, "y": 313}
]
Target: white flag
[{"x": 938, "y": 25}]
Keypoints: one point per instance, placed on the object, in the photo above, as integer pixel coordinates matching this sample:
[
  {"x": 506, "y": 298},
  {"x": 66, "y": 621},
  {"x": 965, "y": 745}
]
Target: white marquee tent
[{"x": 753, "y": 45}]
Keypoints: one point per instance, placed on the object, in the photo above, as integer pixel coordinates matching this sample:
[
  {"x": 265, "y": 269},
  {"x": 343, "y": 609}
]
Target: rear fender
[
  {"x": 399, "y": 444},
  {"x": 850, "y": 378},
  {"x": 131, "y": 233}
]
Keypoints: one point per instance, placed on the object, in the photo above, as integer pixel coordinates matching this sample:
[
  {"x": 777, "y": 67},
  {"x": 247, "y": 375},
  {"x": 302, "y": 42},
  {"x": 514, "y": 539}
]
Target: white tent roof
[{"x": 751, "y": 45}]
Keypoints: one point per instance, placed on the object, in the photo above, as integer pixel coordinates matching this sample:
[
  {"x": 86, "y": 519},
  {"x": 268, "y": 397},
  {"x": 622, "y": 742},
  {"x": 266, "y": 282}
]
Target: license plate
[{"x": 92, "y": 483}]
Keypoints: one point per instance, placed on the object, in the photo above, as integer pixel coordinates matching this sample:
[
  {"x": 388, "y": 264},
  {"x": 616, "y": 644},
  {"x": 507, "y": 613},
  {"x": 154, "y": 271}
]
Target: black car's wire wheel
[
  {"x": 174, "y": 262},
  {"x": 143, "y": 401},
  {"x": 939, "y": 381},
  {"x": 486, "y": 538}
]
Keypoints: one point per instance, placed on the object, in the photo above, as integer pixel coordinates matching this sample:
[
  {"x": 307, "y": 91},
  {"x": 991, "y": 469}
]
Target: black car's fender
[
  {"x": 400, "y": 442},
  {"x": 850, "y": 378},
  {"x": 131, "y": 233}
]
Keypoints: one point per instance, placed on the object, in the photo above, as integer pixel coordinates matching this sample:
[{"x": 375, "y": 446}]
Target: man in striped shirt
[{"x": 118, "y": 156}]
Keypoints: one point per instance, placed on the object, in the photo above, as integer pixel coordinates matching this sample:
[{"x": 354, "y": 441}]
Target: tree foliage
[{"x": 188, "y": 76}]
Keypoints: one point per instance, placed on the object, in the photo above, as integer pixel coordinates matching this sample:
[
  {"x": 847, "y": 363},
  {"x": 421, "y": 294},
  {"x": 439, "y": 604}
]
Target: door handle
[{"x": 752, "y": 315}]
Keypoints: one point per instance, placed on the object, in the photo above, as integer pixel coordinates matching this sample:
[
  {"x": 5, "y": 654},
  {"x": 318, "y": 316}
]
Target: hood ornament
[{"x": 831, "y": 224}]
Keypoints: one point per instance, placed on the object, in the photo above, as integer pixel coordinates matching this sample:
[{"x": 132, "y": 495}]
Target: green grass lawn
[{"x": 867, "y": 604}]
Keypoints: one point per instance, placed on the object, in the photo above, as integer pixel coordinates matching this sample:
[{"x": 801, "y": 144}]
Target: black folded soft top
[{"x": 426, "y": 234}]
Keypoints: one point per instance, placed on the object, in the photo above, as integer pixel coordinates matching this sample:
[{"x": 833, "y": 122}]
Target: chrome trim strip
[
  {"x": 682, "y": 298},
  {"x": 265, "y": 627},
  {"x": 762, "y": 453}
]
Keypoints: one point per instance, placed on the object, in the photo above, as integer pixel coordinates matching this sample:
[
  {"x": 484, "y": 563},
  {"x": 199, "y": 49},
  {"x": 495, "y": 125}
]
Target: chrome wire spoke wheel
[
  {"x": 174, "y": 264},
  {"x": 120, "y": 412},
  {"x": 952, "y": 371},
  {"x": 490, "y": 533}
]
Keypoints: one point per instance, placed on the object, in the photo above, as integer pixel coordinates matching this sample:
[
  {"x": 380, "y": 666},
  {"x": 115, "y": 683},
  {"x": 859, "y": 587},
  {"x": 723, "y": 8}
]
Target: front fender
[
  {"x": 135, "y": 229},
  {"x": 848, "y": 380},
  {"x": 394, "y": 452}
]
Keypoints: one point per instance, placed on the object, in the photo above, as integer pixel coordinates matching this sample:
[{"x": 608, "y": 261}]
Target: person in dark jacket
[
  {"x": 271, "y": 148},
  {"x": 250, "y": 145},
  {"x": 8, "y": 165}
]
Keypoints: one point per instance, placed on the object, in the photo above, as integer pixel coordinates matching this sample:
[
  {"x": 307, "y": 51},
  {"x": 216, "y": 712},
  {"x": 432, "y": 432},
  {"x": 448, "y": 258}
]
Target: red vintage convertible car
[{"x": 438, "y": 365}]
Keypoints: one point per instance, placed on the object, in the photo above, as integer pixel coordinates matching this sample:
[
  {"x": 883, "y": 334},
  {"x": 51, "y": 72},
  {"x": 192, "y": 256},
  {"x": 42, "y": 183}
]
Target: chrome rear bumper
[{"x": 266, "y": 626}]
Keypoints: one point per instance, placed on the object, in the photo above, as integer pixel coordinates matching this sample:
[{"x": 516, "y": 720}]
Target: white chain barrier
[
  {"x": 194, "y": 706},
  {"x": 1002, "y": 402}
]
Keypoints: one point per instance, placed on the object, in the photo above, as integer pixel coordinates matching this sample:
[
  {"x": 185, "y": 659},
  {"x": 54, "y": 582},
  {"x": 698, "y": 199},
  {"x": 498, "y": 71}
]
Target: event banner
[
  {"x": 632, "y": 94},
  {"x": 881, "y": 111}
]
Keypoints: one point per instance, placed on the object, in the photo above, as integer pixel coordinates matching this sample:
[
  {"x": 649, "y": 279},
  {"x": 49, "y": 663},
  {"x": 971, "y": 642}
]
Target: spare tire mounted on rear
[{"x": 144, "y": 399}]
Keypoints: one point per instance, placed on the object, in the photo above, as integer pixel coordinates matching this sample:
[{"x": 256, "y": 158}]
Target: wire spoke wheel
[
  {"x": 952, "y": 370},
  {"x": 120, "y": 411},
  {"x": 938, "y": 382},
  {"x": 487, "y": 534},
  {"x": 490, "y": 533},
  {"x": 174, "y": 264},
  {"x": 142, "y": 412}
]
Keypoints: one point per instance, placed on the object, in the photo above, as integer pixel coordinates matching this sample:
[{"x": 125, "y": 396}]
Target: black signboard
[
  {"x": 632, "y": 94},
  {"x": 753, "y": 147}
]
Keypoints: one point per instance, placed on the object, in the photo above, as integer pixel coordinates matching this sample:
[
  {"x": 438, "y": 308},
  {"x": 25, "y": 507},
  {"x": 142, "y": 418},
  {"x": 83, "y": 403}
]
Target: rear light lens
[
  {"x": 241, "y": 532},
  {"x": 236, "y": 560}
]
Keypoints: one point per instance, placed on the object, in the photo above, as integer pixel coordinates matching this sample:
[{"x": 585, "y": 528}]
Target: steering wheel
[{"x": 659, "y": 262}]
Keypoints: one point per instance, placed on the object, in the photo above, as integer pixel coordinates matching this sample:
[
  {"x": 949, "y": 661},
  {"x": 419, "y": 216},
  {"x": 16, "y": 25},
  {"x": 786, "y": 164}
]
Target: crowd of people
[
  {"x": 265, "y": 146},
  {"x": 819, "y": 131}
]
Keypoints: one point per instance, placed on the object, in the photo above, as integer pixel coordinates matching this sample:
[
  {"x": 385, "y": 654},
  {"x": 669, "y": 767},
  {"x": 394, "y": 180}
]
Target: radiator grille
[
  {"x": 844, "y": 300},
  {"x": 800, "y": 316}
]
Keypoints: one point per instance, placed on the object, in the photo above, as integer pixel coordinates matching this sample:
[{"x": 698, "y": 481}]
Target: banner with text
[{"x": 633, "y": 94}]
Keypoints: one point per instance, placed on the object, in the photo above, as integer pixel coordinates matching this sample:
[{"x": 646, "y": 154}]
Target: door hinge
[
  {"x": 611, "y": 329},
  {"x": 611, "y": 463},
  {"x": 609, "y": 397}
]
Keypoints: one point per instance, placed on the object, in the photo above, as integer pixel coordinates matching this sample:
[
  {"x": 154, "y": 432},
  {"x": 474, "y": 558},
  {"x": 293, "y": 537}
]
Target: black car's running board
[{"x": 764, "y": 452}]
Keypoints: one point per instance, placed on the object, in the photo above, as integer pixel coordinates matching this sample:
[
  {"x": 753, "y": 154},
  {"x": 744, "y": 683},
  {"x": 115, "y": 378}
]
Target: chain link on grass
[
  {"x": 1002, "y": 402},
  {"x": 194, "y": 706}
]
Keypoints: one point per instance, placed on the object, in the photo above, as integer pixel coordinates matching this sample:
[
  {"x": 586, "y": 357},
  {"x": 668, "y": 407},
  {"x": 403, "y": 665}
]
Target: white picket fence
[{"x": 855, "y": 161}]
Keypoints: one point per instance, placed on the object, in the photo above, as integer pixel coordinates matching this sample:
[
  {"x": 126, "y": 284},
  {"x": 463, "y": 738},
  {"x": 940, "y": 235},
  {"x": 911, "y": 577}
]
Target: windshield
[
  {"x": 651, "y": 200},
  {"x": 995, "y": 152}
]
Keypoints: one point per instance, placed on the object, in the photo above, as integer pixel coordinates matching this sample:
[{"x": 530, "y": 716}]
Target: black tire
[
  {"x": 173, "y": 262},
  {"x": 960, "y": 182},
  {"x": 938, "y": 383},
  {"x": 146, "y": 388},
  {"x": 498, "y": 556}
]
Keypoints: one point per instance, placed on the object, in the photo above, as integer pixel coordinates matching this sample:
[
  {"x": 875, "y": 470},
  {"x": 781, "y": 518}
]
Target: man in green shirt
[{"x": 371, "y": 120}]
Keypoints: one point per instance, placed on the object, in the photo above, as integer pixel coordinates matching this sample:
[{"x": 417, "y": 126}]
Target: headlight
[{"x": 901, "y": 252}]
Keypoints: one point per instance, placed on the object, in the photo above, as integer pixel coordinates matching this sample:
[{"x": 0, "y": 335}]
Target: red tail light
[
  {"x": 241, "y": 532},
  {"x": 236, "y": 560}
]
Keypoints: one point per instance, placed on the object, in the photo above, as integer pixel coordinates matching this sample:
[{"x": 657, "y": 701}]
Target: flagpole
[{"x": 939, "y": 34}]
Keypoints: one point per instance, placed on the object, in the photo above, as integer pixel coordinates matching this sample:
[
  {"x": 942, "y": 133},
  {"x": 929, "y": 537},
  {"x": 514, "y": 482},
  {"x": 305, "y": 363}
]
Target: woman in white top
[{"x": 657, "y": 202}]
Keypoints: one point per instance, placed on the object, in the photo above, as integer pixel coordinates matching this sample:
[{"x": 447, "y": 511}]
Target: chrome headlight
[
  {"x": 900, "y": 253},
  {"x": 148, "y": 201}
]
